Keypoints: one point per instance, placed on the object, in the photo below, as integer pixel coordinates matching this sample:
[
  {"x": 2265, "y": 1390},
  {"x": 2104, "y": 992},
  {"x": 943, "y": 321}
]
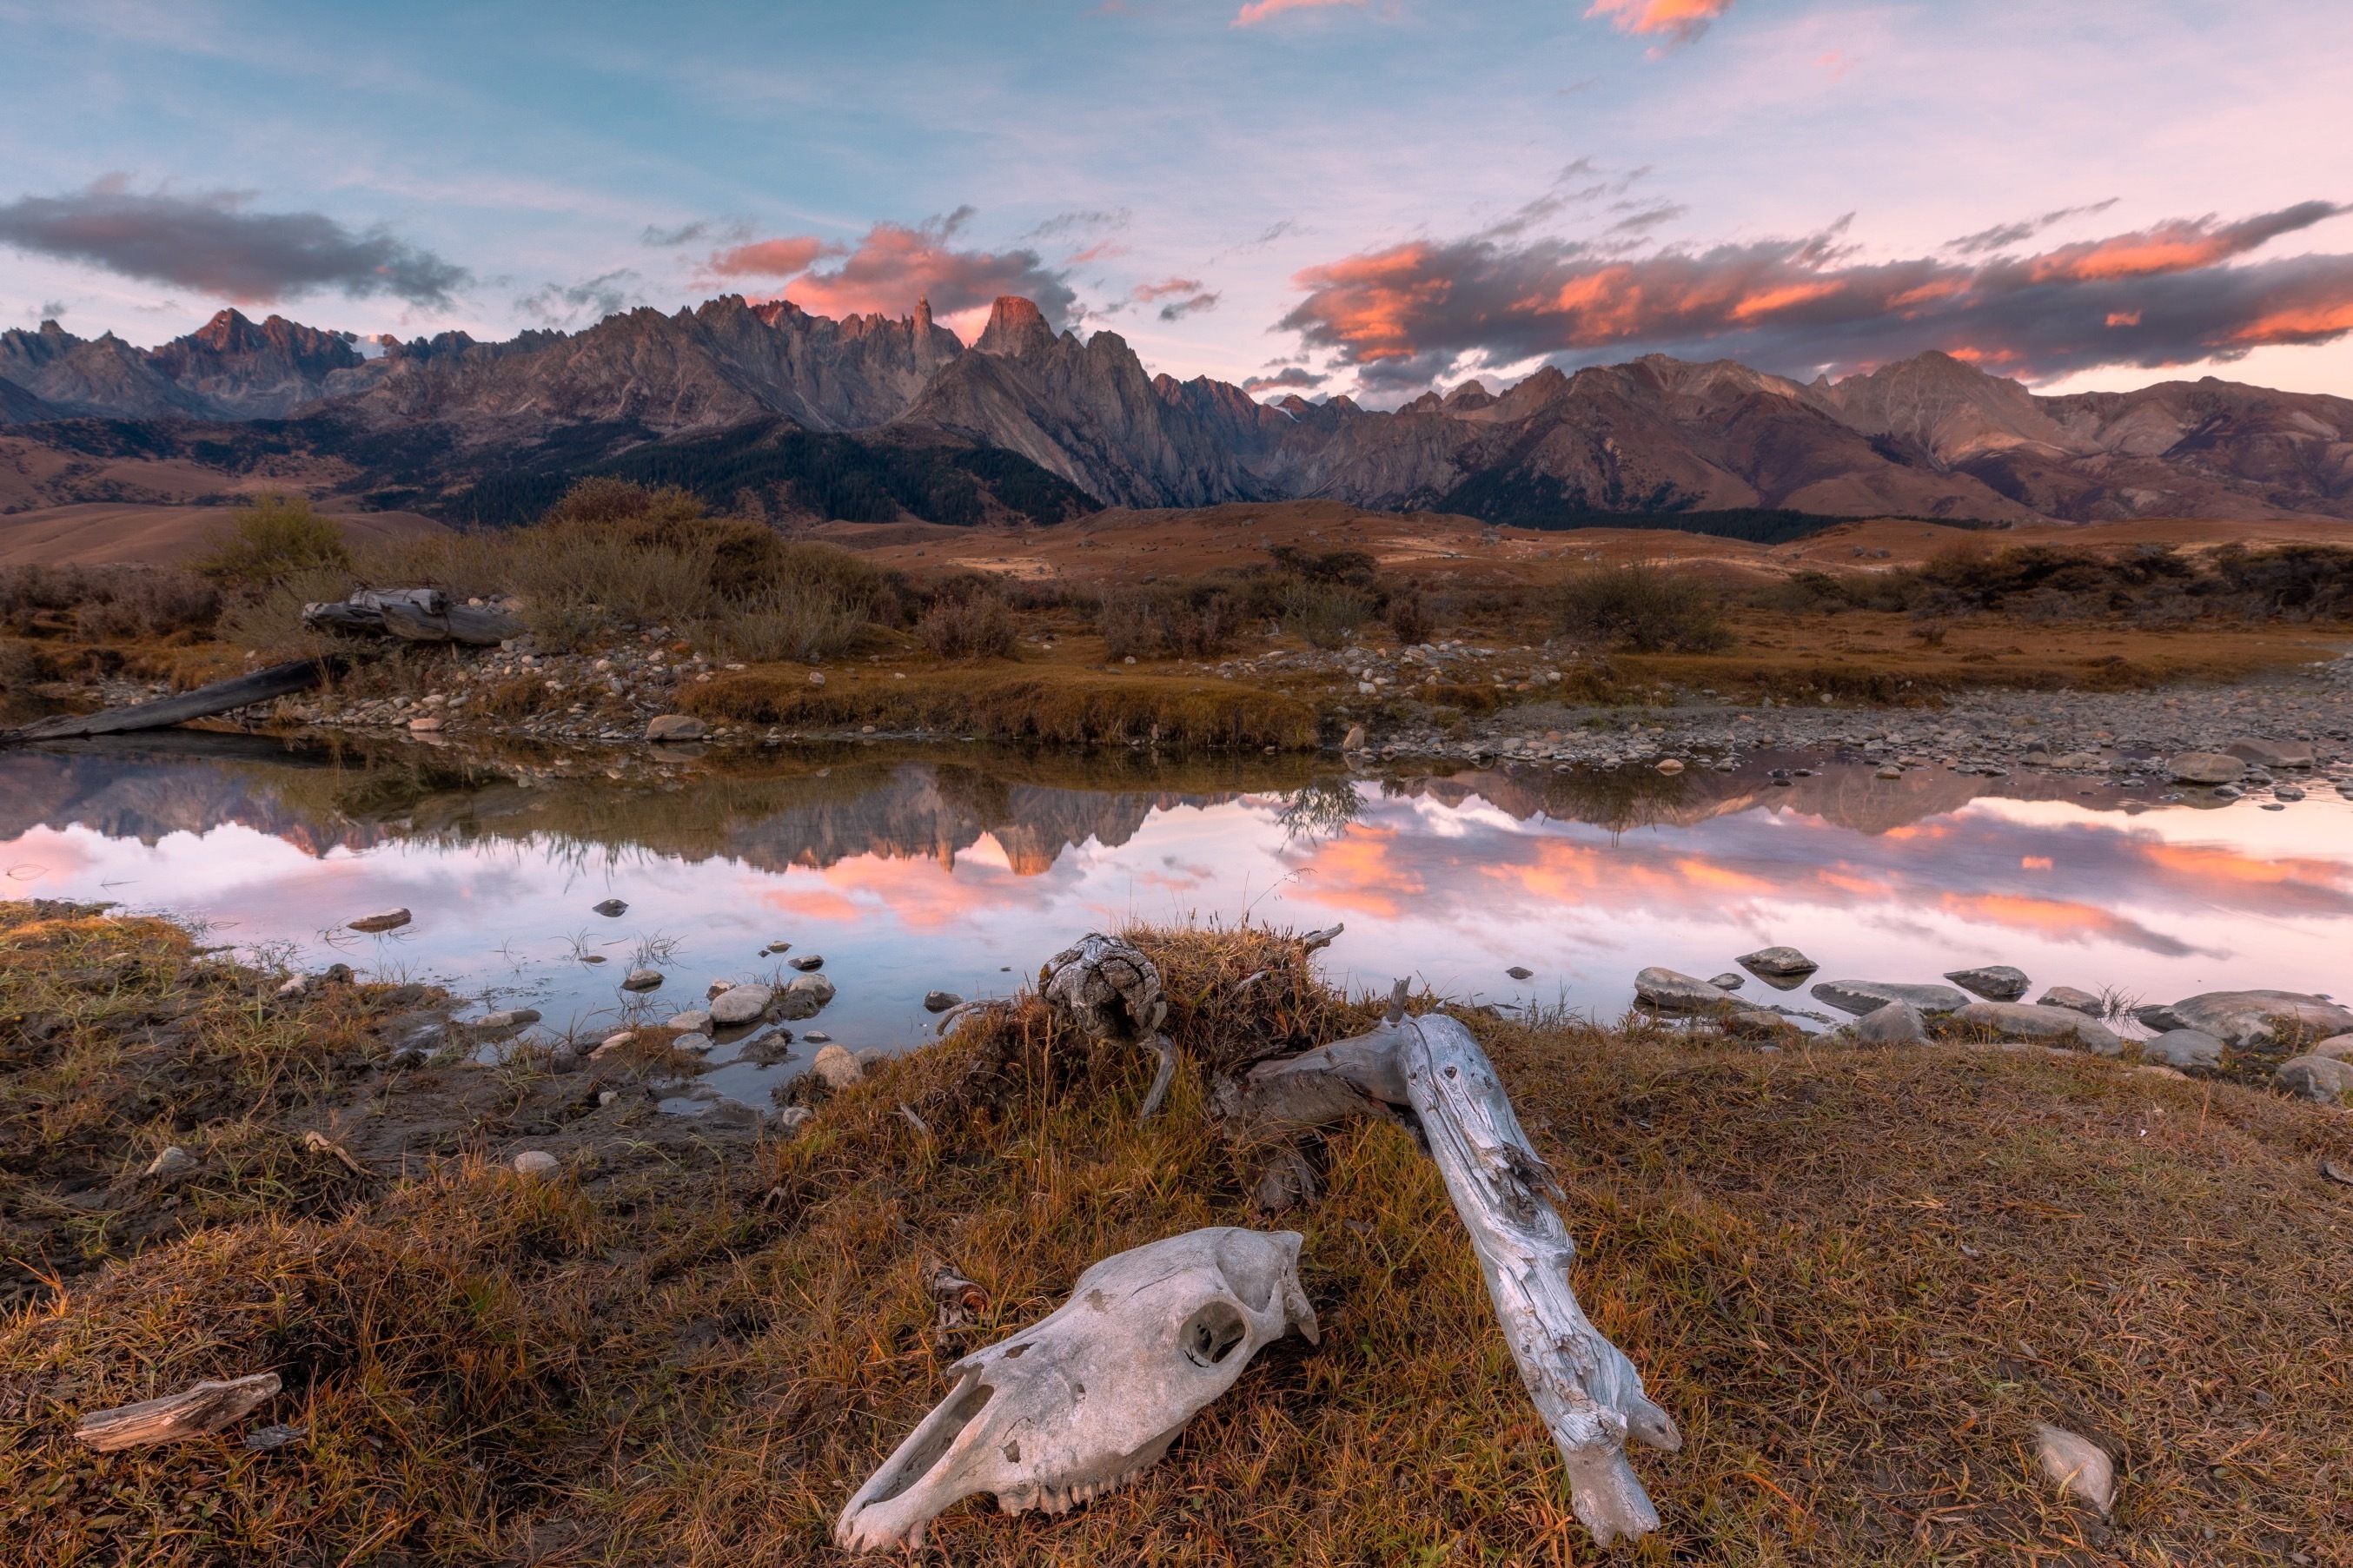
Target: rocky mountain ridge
[{"x": 1929, "y": 436}]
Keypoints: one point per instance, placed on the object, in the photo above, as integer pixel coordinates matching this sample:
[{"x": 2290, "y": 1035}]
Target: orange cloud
[
  {"x": 1425, "y": 311},
  {"x": 1682, "y": 19},
  {"x": 893, "y": 266},
  {"x": 1258, "y": 11}
]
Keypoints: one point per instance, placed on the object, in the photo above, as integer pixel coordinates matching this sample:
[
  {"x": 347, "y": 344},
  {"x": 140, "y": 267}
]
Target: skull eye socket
[{"x": 1211, "y": 1335}]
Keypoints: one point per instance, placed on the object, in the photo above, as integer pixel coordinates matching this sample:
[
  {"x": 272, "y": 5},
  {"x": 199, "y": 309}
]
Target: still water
[{"x": 961, "y": 869}]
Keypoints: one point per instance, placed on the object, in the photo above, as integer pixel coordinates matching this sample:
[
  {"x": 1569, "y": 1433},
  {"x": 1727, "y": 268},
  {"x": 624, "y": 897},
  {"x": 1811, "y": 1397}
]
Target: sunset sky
[{"x": 1361, "y": 195}]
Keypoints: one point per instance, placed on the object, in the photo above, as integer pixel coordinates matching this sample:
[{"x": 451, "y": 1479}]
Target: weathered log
[
  {"x": 220, "y": 696},
  {"x": 206, "y": 1407},
  {"x": 1430, "y": 1069},
  {"x": 413, "y": 615},
  {"x": 1110, "y": 990}
]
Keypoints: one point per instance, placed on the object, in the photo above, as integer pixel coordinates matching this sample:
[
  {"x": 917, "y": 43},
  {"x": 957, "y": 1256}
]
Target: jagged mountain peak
[{"x": 1016, "y": 329}]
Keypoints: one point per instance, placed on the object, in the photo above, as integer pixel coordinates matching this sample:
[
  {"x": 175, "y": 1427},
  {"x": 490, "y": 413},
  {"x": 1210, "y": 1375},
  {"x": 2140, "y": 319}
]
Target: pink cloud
[
  {"x": 1682, "y": 20},
  {"x": 2164, "y": 295},
  {"x": 1258, "y": 11},
  {"x": 893, "y": 266}
]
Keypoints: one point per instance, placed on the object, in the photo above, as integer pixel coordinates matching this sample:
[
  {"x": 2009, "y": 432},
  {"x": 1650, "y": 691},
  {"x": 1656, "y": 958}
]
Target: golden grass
[
  {"x": 1064, "y": 705},
  {"x": 1856, "y": 1278}
]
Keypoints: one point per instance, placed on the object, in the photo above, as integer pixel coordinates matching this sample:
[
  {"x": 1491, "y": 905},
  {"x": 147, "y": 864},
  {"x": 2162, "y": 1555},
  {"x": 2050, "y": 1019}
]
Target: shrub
[
  {"x": 1410, "y": 619},
  {"x": 272, "y": 539},
  {"x": 795, "y": 620},
  {"x": 1324, "y": 614},
  {"x": 1197, "y": 623},
  {"x": 974, "y": 625},
  {"x": 138, "y": 603},
  {"x": 270, "y": 621},
  {"x": 1643, "y": 610}
]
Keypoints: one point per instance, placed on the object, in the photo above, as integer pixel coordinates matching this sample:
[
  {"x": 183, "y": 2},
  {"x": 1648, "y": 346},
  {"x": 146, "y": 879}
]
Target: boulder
[
  {"x": 1994, "y": 982},
  {"x": 1669, "y": 991},
  {"x": 2074, "y": 1001},
  {"x": 2024, "y": 1021},
  {"x": 2325, "y": 1078},
  {"x": 2185, "y": 1049},
  {"x": 697, "y": 1022},
  {"x": 1894, "y": 1023},
  {"x": 2204, "y": 768},
  {"x": 2338, "y": 1046},
  {"x": 2272, "y": 753},
  {"x": 538, "y": 1164},
  {"x": 740, "y": 1005},
  {"x": 804, "y": 996},
  {"x": 642, "y": 980},
  {"x": 387, "y": 919},
  {"x": 1861, "y": 996},
  {"x": 674, "y": 727},
  {"x": 2249, "y": 1018},
  {"x": 1780, "y": 961},
  {"x": 836, "y": 1067}
]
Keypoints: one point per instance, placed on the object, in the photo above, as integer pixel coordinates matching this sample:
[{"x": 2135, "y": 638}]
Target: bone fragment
[
  {"x": 1431, "y": 1071},
  {"x": 206, "y": 1407},
  {"x": 1091, "y": 1397}
]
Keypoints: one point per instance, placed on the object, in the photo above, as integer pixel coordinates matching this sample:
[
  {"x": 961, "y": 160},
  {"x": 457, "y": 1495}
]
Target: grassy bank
[{"x": 1857, "y": 1278}]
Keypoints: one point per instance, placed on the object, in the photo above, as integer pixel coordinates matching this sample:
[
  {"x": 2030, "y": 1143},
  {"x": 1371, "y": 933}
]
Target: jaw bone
[{"x": 1092, "y": 1396}]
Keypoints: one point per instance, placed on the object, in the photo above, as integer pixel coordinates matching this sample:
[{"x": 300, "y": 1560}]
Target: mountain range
[{"x": 875, "y": 418}]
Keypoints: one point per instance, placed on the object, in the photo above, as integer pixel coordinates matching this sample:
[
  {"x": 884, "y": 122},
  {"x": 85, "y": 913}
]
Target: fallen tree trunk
[
  {"x": 220, "y": 696},
  {"x": 1430, "y": 1072},
  {"x": 414, "y": 615}
]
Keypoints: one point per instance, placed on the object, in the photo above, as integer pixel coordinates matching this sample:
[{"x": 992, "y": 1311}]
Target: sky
[{"x": 1368, "y": 196}]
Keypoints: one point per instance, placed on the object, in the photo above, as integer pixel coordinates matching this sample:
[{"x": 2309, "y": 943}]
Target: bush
[
  {"x": 795, "y": 620},
  {"x": 1409, "y": 619},
  {"x": 1325, "y": 614},
  {"x": 1179, "y": 624},
  {"x": 272, "y": 539},
  {"x": 973, "y": 625},
  {"x": 138, "y": 603},
  {"x": 1642, "y": 610}
]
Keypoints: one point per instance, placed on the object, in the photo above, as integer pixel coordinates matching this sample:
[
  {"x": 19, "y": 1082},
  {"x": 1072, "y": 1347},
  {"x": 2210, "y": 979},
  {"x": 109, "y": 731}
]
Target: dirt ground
[
  {"x": 1439, "y": 548},
  {"x": 102, "y": 533}
]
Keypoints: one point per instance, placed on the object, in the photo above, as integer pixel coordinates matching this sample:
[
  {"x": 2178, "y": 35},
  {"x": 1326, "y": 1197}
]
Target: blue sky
[{"x": 1422, "y": 189}]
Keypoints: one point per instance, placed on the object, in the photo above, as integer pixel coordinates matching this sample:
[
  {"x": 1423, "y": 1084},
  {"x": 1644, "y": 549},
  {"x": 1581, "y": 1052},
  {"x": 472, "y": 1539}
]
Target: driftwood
[
  {"x": 220, "y": 696},
  {"x": 1430, "y": 1073},
  {"x": 413, "y": 615},
  {"x": 206, "y": 1407},
  {"x": 1111, "y": 991}
]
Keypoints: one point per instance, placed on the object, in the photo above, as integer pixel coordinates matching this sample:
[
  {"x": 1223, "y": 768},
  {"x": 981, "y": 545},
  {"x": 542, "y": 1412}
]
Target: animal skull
[{"x": 1092, "y": 1396}]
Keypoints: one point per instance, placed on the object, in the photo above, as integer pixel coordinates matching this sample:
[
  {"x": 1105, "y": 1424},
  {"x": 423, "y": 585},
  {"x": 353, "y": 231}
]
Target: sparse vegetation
[
  {"x": 274, "y": 539},
  {"x": 1641, "y": 609},
  {"x": 975, "y": 624}
]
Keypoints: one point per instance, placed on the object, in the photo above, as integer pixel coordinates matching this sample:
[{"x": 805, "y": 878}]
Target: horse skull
[{"x": 1093, "y": 1395}]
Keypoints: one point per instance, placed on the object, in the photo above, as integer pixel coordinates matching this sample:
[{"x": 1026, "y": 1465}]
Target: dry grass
[
  {"x": 1855, "y": 1279},
  {"x": 1065, "y": 705}
]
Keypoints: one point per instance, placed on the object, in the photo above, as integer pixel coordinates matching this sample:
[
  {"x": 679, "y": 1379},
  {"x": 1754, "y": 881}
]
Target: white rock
[
  {"x": 537, "y": 1163},
  {"x": 695, "y": 1043},
  {"x": 694, "y": 1022},
  {"x": 173, "y": 1161},
  {"x": 2077, "y": 1466},
  {"x": 674, "y": 727},
  {"x": 641, "y": 980}
]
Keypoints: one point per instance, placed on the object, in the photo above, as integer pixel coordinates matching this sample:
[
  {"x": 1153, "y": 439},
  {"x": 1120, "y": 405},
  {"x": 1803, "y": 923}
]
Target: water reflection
[{"x": 961, "y": 869}]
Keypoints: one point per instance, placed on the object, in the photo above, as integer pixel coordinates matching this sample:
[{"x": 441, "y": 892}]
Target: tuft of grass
[{"x": 276, "y": 538}]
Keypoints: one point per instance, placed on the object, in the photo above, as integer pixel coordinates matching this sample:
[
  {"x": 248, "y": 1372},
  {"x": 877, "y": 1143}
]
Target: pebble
[
  {"x": 173, "y": 1161},
  {"x": 675, "y": 727},
  {"x": 776, "y": 947},
  {"x": 697, "y": 1022},
  {"x": 505, "y": 1018},
  {"x": 836, "y": 1067},
  {"x": 817, "y": 1038},
  {"x": 537, "y": 1163},
  {"x": 1778, "y": 961},
  {"x": 613, "y": 1043},
  {"x": 1727, "y": 981},
  {"x": 1520, "y": 972},
  {"x": 641, "y": 980},
  {"x": 612, "y": 909},
  {"x": 808, "y": 962},
  {"x": 387, "y": 919},
  {"x": 804, "y": 996},
  {"x": 941, "y": 1000},
  {"x": 793, "y": 1118},
  {"x": 695, "y": 1043}
]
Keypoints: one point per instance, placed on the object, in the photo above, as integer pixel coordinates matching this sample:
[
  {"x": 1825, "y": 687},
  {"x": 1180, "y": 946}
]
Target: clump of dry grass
[
  {"x": 1068, "y": 706},
  {"x": 1856, "y": 1278}
]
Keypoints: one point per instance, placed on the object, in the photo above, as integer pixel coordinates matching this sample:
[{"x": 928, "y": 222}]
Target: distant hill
[{"x": 876, "y": 419}]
